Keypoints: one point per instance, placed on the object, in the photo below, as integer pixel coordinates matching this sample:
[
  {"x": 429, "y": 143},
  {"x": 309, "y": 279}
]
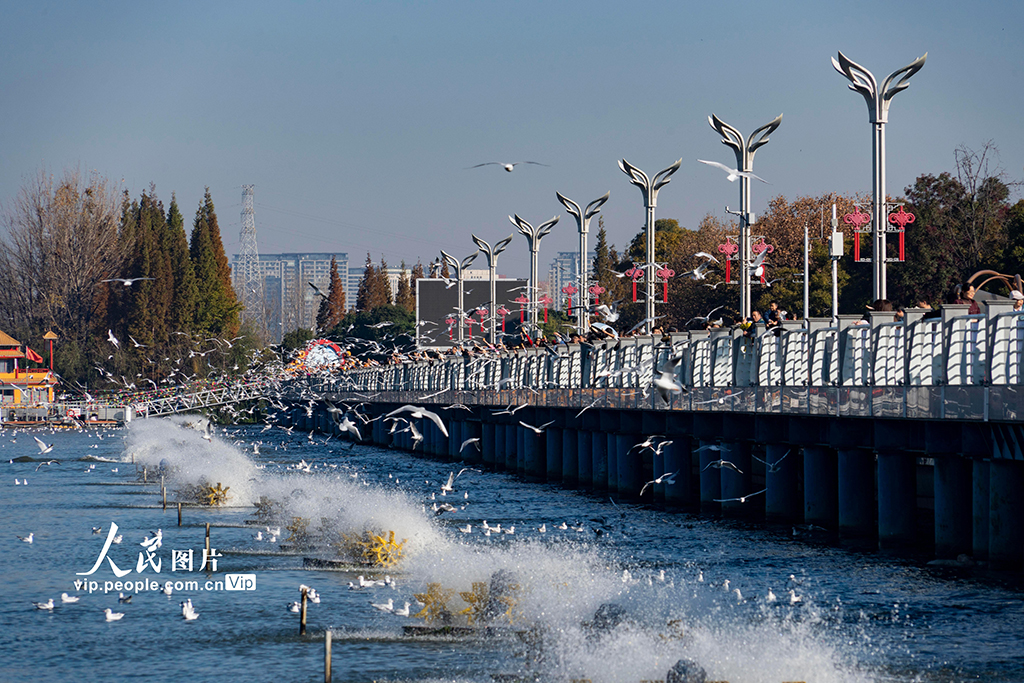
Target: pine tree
[
  {"x": 216, "y": 305},
  {"x": 383, "y": 285},
  {"x": 417, "y": 274},
  {"x": 332, "y": 309},
  {"x": 363, "y": 295},
  {"x": 184, "y": 304},
  {"x": 404, "y": 298}
]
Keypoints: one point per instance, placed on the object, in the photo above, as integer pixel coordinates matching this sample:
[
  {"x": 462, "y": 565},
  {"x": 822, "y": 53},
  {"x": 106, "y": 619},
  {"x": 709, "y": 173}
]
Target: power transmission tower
[{"x": 249, "y": 262}]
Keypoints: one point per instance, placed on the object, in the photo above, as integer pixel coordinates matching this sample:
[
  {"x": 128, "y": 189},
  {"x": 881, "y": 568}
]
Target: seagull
[
  {"x": 418, "y": 412},
  {"x": 793, "y": 597},
  {"x": 742, "y": 499},
  {"x": 709, "y": 447},
  {"x": 125, "y": 599},
  {"x": 43, "y": 447},
  {"x": 317, "y": 290},
  {"x": 668, "y": 478},
  {"x": 294, "y": 607},
  {"x": 112, "y": 615},
  {"x": 733, "y": 173},
  {"x": 698, "y": 273},
  {"x": 96, "y": 530},
  {"x": 704, "y": 254},
  {"x": 112, "y": 339},
  {"x": 772, "y": 466},
  {"x": 127, "y": 281},
  {"x": 538, "y": 430},
  {"x": 189, "y": 612},
  {"x": 543, "y": 528},
  {"x": 403, "y": 612},
  {"x": 46, "y": 462},
  {"x": 474, "y": 440},
  {"x": 719, "y": 464},
  {"x": 27, "y": 539},
  {"x": 507, "y": 167},
  {"x": 468, "y": 529},
  {"x": 48, "y": 605},
  {"x": 388, "y": 606},
  {"x": 770, "y": 597},
  {"x": 64, "y": 597},
  {"x": 347, "y": 425},
  {"x": 665, "y": 382}
]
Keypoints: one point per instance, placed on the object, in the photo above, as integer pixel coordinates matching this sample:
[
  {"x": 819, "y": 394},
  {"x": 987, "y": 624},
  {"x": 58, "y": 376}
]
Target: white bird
[
  {"x": 468, "y": 529},
  {"x": 112, "y": 339},
  {"x": 43, "y": 447},
  {"x": 168, "y": 589},
  {"x": 698, "y": 273},
  {"x": 186, "y": 606},
  {"x": 117, "y": 539},
  {"x": 64, "y": 597},
  {"x": 127, "y": 281},
  {"x": 48, "y": 605},
  {"x": 112, "y": 615},
  {"x": 507, "y": 167},
  {"x": 125, "y": 599},
  {"x": 665, "y": 382},
  {"x": 543, "y": 528},
  {"x": 473, "y": 440},
  {"x": 793, "y": 597},
  {"x": 27, "y": 539},
  {"x": 294, "y": 607},
  {"x": 770, "y": 597},
  {"x": 347, "y": 425},
  {"x": 719, "y": 464},
  {"x": 704, "y": 254},
  {"x": 388, "y": 606},
  {"x": 537, "y": 430},
  {"x": 190, "y": 614},
  {"x": 97, "y": 530},
  {"x": 733, "y": 173},
  {"x": 364, "y": 583},
  {"x": 668, "y": 478},
  {"x": 418, "y": 412},
  {"x": 403, "y": 612}
]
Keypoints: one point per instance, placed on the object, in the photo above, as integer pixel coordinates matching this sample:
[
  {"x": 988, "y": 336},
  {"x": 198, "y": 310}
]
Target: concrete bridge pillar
[
  {"x": 782, "y": 499},
  {"x": 612, "y": 461},
  {"x": 821, "y": 486},
  {"x": 630, "y": 465},
  {"x": 736, "y": 485},
  {"x": 897, "y": 498},
  {"x": 953, "y": 502},
  {"x": 553, "y": 451},
  {"x": 599, "y": 461},
  {"x": 678, "y": 458},
  {"x": 856, "y": 492},
  {"x": 570, "y": 458},
  {"x": 533, "y": 453},
  {"x": 710, "y": 477},
  {"x": 980, "y": 472},
  {"x": 585, "y": 457},
  {"x": 489, "y": 443},
  {"x": 1006, "y": 514},
  {"x": 512, "y": 444},
  {"x": 454, "y": 440}
]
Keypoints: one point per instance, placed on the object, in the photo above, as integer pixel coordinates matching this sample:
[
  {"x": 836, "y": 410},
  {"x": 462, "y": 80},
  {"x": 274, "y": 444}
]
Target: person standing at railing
[
  {"x": 1018, "y": 300},
  {"x": 964, "y": 294}
]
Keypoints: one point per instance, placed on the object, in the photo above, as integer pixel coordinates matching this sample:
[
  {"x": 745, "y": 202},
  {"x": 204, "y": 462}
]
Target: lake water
[{"x": 860, "y": 616}]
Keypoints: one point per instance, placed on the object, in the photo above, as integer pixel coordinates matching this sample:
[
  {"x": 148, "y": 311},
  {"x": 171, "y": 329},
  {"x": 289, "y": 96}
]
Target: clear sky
[{"x": 356, "y": 121}]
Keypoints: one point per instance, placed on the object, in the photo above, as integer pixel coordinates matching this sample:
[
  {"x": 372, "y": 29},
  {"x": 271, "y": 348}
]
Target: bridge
[{"x": 902, "y": 432}]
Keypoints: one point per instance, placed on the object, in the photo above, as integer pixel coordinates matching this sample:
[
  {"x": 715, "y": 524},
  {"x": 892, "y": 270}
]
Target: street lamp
[
  {"x": 877, "y": 99},
  {"x": 583, "y": 225},
  {"x": 649, "y": 188},
  {"x": 458, "y": 267},
  {"x": 744, "y": 150},
  {"x": 533, "y": 237},
  {"x": 492, "y": 264}
]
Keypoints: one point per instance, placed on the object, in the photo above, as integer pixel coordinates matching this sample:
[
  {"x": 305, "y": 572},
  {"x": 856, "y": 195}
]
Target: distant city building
[
  {"x": 289, "y": 301},
  {"x": 565, "y": 270}
]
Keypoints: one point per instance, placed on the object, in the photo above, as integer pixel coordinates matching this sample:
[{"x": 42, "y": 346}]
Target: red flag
[{"x": 33, "y": 356}]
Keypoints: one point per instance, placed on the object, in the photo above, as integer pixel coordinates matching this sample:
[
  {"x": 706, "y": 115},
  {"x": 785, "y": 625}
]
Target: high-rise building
[
  {"x": 289, "y": 301},
  {"x": 565, "y": 270}
]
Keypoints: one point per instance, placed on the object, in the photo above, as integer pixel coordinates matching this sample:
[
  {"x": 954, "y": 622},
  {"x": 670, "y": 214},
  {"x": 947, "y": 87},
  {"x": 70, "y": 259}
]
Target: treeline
[
  {"x": 87, "y": 263},
  {"x": 964, "y": 222}
]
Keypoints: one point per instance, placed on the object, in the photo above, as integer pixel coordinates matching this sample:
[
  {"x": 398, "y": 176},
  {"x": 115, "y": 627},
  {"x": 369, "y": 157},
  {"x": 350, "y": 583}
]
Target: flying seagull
[
  {"x": 733, "y": 173},
  {"x": 43, "y": 446},
  {"x": 665, "y": 382},
  {"x": 418, "y": 412},
  {"x": 127, "y": 281},
  {"x": 507, "y": 167},
  {"x": 317, "y": 290}
]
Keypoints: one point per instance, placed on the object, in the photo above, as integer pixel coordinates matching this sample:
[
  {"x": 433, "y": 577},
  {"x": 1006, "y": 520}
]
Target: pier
[{"x": 896, "y": 433}]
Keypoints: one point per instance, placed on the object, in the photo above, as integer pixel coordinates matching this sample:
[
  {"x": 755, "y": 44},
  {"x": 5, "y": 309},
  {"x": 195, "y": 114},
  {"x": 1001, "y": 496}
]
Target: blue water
[{"x": 861, "y": 616}]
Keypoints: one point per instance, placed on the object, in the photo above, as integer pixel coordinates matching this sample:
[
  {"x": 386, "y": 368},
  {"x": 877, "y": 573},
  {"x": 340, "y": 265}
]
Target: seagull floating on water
[
  {"x": 48, "y": 605},
  {"x": 64, "y": 597},
  {"x": 388, "y": 606},
  {"x": 27, "y": 539},
  {"x": 112, "y": 615}
]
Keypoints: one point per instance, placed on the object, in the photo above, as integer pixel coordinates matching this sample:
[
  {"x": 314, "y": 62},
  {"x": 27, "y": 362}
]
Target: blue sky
[{"x": 357, "y": 121}]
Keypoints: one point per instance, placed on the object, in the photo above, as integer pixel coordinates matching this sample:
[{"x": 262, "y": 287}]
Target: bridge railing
[{"x": 877, "y": 366}]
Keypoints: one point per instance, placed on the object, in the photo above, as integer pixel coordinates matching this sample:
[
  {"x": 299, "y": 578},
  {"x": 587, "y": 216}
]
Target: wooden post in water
[
  {"x": 179, "y": 513},
  {"x": 145, "y": 475},
  {"x": 327, "y": 656},
  {"x": 302, "y": 614}
]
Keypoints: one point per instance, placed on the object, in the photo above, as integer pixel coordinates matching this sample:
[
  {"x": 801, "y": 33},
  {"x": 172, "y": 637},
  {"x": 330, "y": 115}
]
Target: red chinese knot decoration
[
  {"x": 569, "y": 290},
  {"x": 901, "y": 219},
  {"x": 858, "y": 220},
  {"x": 730, "y": 249}
]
